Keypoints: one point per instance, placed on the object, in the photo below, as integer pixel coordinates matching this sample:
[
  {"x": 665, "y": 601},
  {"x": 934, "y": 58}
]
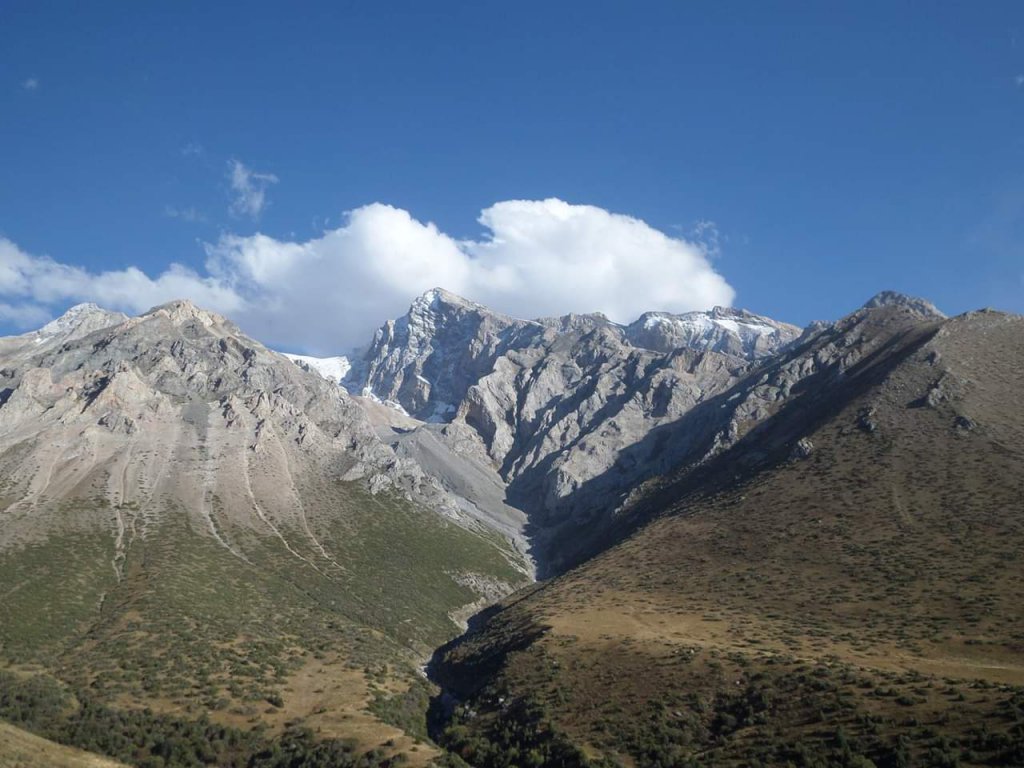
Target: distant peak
[
  {"x": 896, "y": 299},
  {"x": 731, "y": 312},
  {"x": 575, "y": 321},
  {"x": 87, "y": 316},
  {"x": 442, "y": 296},
  {"x": 182, "y": 310},
  {"x": 175, "y": 304},
  {"x": 83, "y": 308},
  {"x": 720, "y": 329},
  {"x": 715, "y": 313}
]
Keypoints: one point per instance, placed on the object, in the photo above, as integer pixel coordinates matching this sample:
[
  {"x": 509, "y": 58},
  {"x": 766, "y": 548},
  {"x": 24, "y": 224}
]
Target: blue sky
[{"x": 838, "y": 148}]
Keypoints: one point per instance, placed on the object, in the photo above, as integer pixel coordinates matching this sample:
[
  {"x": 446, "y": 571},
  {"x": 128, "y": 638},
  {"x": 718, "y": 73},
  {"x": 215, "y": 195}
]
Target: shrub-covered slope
[{"x": 841, "y": 586}]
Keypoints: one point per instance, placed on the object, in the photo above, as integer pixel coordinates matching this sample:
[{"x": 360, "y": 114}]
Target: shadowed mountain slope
[
  {"x": 839, "y": 585},
  {"x": 558, "y": 406}
]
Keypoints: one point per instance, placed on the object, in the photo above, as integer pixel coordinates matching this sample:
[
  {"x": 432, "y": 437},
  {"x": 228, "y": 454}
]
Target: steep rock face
[
  {"x": 585, "y": 435},
  {"x": 427, "y": 359},
  {"x": 562, "y": 407}
]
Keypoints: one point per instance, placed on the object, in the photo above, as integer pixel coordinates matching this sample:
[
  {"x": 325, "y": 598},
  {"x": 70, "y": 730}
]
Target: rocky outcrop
[
  {"x": 568, "y": 409},
  {"x": 918, "y": 306},
  {"x": 428, "y": 359}
]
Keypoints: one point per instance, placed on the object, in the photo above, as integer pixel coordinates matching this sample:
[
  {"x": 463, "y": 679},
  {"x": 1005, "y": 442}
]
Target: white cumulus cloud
[
  {"x": 537, "y": 258},
  {"x": 32, "y": 288},
  {"x": 328, "y": 294},
  {"x": 248, "y": 189}
]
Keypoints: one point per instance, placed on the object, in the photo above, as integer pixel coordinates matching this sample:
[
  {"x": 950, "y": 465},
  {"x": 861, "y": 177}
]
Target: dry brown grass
[
  {"x": 887, "y": 560},
  {"x": 20, "y": 749}
]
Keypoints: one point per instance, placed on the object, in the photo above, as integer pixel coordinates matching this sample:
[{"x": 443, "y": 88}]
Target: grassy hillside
[
  {"x": 20, "y": 749},
  {"x": 187, "y": 636},
  {"x": 852, "y": 604}
]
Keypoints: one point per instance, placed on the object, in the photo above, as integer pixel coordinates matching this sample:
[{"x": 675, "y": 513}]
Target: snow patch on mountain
[
  {"x": 722, "y": 329},
  {"x": 331, "y": 368}
]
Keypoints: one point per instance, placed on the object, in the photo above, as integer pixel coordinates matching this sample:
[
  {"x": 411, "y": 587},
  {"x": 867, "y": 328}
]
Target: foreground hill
[
  {"x": 204, "y": 548},
  {"x": 837, "y": 583}
]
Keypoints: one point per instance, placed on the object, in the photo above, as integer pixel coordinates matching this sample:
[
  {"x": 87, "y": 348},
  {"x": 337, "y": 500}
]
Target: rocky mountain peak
[
  {"x": 80, "y": 320},
  {"x": 181, "y": 311},
  {"x": 912, "y": 303},
  {"x": 438, "y": 307},
  {"x": 437, "y": 298},
  {"x": 429, "y": 359},
  {"x": 426, "y": 359}
]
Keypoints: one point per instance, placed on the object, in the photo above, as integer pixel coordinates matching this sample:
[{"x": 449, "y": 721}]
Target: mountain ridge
[
  {"x": 220, "y": 505},
  {"x": 845, "y": 566}
]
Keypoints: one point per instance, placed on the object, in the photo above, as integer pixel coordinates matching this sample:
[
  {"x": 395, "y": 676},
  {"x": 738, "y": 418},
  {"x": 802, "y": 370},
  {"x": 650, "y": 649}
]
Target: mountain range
[{"x": 708, "y": 538}]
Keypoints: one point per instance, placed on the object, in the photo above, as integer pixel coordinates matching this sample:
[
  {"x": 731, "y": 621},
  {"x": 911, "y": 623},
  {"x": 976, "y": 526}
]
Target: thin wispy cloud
[
  {"x": 188, "y": 214},
  {"x": 705, "y": 233},
  {"x": 248, "y": 189},
  {"x": 1019, "y": 80},
  {"x": 192, "y": 149},
  {"x": 30, "y": 84}
]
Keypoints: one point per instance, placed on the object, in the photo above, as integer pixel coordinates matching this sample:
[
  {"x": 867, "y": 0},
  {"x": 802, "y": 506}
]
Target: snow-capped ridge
[{"x": 721, "y": 329}]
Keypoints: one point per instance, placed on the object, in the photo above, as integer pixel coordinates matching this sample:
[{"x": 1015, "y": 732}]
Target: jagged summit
[
  {"x": 920, "y": 306},
  {"x": 429, "y": 359},
  {"x": 438, "y": 340},
  {"x": 439, "y": 304}
]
